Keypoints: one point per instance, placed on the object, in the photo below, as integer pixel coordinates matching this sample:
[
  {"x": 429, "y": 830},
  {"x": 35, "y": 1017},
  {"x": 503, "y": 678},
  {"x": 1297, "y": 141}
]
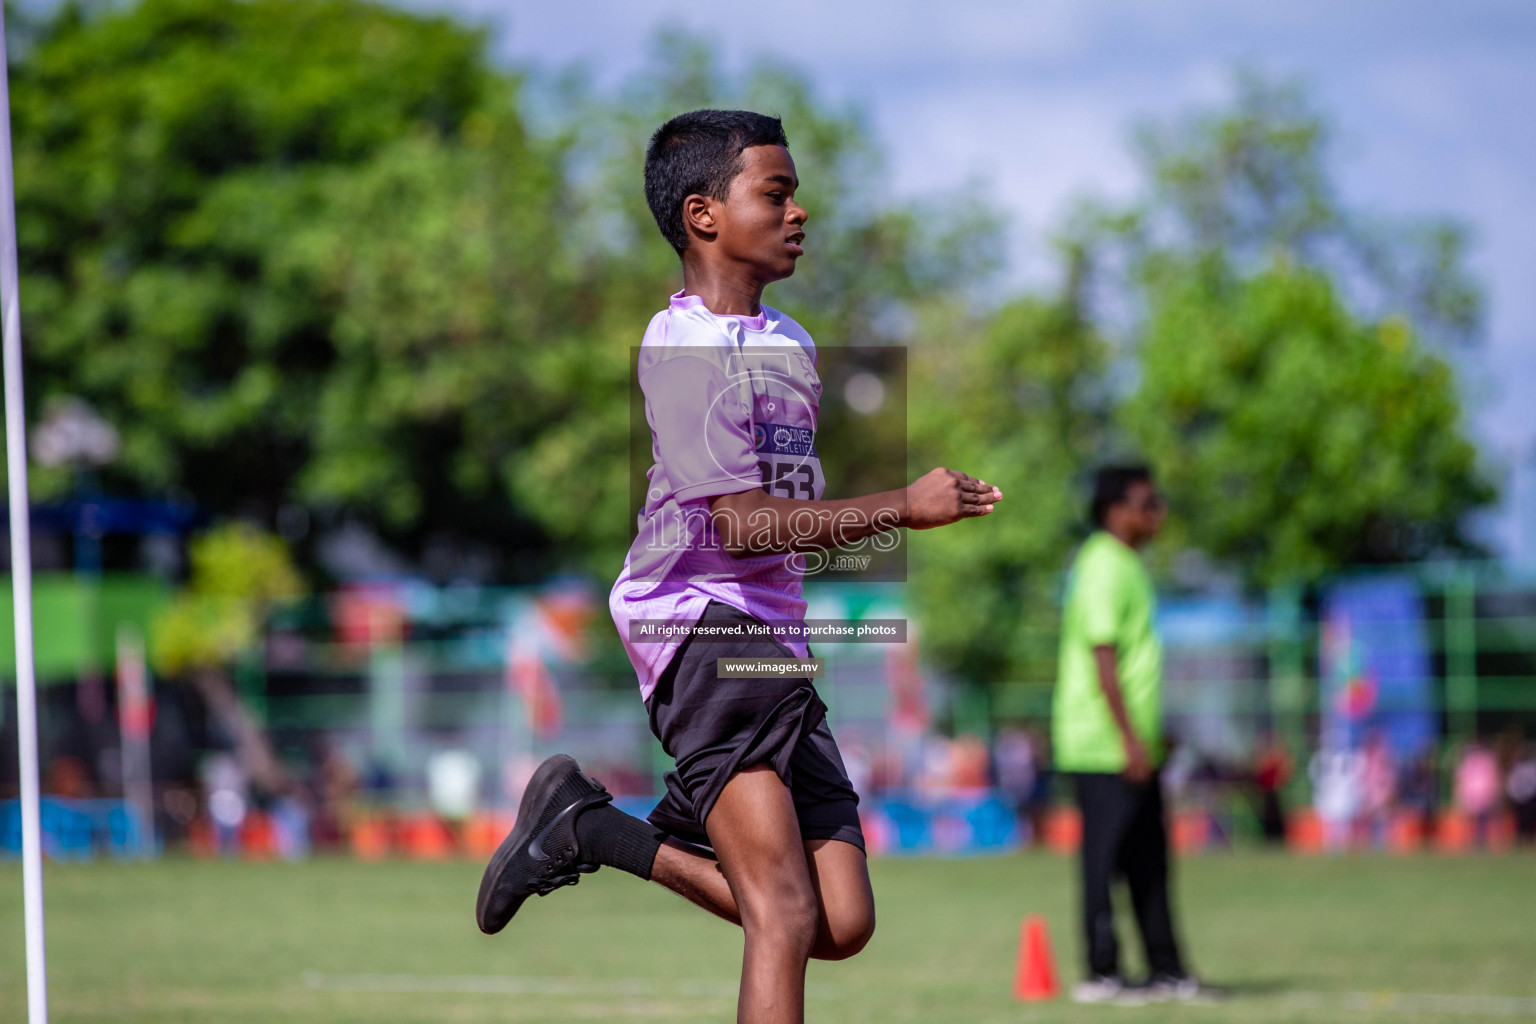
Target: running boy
[{"x": 734, "y": 500}]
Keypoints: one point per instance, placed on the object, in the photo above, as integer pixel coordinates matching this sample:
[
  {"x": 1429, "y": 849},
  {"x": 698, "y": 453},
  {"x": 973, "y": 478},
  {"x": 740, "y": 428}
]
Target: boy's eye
[{"x": 777, "y": 197}]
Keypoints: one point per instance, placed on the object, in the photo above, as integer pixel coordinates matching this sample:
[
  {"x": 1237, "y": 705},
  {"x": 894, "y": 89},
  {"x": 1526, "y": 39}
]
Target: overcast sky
[{"x": 1431, "y": 103}]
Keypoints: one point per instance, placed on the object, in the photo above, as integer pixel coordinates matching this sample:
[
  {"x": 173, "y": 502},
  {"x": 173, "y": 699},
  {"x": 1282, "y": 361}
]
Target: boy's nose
[{"x": 796, "y": 213}]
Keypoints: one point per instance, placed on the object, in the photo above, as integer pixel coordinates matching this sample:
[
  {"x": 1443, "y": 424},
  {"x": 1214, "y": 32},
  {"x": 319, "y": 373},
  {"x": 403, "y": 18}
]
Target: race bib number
[{"x": 787, "y": 460}]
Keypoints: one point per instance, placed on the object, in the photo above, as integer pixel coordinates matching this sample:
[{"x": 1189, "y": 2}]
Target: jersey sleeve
[
  {"x": 1099, "y": 598},
  {"x": 702, "y": 425}
]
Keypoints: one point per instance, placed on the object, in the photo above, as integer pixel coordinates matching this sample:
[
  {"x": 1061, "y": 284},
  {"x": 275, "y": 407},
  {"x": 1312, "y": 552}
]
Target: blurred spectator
[
  {"x": 516, "y": 771},
  {"x": 1378, "y": 786},
  {"x": 1477, "y": 788},
  {"x": 968, "y": 762},
  {"x": 908, "y": 758},
  {"x": 1045, "y": 778},
  {"x": 453, "y": 784},
  {"x": 1508, "y": 748},
  {"x": 1179, "y": 770},
  {"x": 1336, "y": 783},
  {"x": 1520, "y": 787},
  {"x": 857, "y": 762},
  {"x": 335, "y": 795},
  {"x": 290, "y": 816},
  {"x": 68, "y": 777},
  {"x": 1421, "y": 790},
  {"x": 380, "y": 781},
  {"x": 936, "y": 774},
  {"x": 622, "y": 779},
  {"x": 1272, "y": 770},
  {"x": 886, "y": 771},
  {"x": 1013, "y": 757},
  {"x": 181, "y": 810},
  {"x": 225, "y": 788}
]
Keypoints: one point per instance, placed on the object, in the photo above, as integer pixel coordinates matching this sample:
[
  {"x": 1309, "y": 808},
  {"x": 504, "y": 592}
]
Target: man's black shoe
[{"x": 540, "y": 854}]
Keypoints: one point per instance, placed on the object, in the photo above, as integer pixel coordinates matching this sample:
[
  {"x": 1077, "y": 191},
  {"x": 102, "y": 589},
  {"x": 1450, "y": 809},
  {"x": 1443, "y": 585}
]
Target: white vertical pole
[{"x": 21, "y": 570}]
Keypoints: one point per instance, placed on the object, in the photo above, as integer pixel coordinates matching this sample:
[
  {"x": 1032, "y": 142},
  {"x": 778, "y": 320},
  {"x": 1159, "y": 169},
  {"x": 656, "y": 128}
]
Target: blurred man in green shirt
[{"x": 1107, "y": 733}]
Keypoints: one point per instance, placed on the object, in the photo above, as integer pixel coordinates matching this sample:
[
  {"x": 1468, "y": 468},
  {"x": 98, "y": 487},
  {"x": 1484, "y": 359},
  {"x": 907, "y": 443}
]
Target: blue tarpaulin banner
[{"x": 1376, "y": 668}]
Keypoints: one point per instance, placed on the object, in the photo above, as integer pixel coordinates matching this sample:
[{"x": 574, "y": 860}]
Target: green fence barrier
[{"x": 75, "y": 620}]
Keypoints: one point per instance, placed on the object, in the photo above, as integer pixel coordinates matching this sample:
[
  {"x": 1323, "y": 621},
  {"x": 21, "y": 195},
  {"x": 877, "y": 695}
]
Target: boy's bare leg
[
  {"x": 845, "y": 903},
  {"x": 756, "y": 835},
  {"x": 695, "y": 876},
  {"x": 839, "y": 875}
]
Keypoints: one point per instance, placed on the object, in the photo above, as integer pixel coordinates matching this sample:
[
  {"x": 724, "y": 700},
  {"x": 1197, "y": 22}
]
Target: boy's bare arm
[{"x": 755, "y": 523}]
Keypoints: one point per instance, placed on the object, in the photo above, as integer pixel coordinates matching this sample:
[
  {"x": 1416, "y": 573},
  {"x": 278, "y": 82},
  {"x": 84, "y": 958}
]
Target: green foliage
[
  {"x": 166, "y": 153},
  {"x": 1017, "y": 398},
  {"x": 200, "y": 632},
  {"x": 1290, "y": 392},
  {"x": 239, "y": 562},
  {"x": 313, "y": 253},
  {"x": 316, "y": 253},
  {"x": 1248, "y": 183},
  {"x": 1282, "y": 352},
  {"x": 238, "y": 574},
  {"x": 1294, "y": 437}
]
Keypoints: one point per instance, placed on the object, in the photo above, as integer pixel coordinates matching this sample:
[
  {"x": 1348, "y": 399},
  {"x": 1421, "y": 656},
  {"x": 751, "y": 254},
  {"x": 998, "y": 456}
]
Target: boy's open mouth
[{"x": 795, "y": 241}]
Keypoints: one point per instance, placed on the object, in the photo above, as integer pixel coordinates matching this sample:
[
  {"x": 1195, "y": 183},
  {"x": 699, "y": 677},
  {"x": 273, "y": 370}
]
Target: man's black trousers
[{"x": 1124, "y": 835}]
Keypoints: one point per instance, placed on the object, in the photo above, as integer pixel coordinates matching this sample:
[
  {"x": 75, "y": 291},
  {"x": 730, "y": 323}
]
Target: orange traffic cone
[{"x": 1035, "y": 980}]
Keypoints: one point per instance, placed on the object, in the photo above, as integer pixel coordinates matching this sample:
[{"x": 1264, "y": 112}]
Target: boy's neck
[{"x": 724, "y": 290}]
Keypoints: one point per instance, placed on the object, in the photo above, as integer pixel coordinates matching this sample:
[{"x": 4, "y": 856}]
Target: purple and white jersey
[{"x": 732, "y": 404}]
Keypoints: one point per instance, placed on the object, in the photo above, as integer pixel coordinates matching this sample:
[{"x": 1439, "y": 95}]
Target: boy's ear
[{"x": 699, "y": 215}]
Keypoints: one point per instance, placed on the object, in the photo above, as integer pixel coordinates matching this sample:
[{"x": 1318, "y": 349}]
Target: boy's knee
[
  {"x": 789, "y": 917},
  {"x": 799, "y": 918},
  {"x": 846, "y": 937}
]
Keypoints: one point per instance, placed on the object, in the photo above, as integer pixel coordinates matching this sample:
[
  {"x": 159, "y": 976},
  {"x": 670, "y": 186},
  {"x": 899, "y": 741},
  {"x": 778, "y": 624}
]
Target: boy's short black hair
[
  {"x": 1111, "y": 484},
  {"x": 700, "y": 152}
]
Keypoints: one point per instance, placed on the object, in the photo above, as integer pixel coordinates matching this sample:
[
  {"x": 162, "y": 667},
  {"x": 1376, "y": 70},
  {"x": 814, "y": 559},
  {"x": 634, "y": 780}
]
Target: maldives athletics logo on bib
[{"x": 779, "y": 439}]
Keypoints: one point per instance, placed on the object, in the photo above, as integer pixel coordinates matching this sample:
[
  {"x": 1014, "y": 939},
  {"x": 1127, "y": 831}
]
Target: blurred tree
[
  {"x": 459, "y": 323},
  {"x": 1017, "y": 397},
  {"x": 1248, "y": 184},
  {"x": 491, "y": 291},
  {"x": 314, "y": 254},
  {"x": 238, "y": 574},
  {"x": 167, "y": 153},
  {"x": 1275, "y": 354},
  {"x": 1294, "y": 437},
  {"x": 1292, "y": 391}
]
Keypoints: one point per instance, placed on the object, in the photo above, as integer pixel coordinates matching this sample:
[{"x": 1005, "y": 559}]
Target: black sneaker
[{"x": 540, "y": 854}]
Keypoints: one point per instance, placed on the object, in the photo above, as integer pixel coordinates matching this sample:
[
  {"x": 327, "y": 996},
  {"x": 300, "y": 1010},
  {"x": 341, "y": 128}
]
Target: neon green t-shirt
[{"x": 1109, "y": 601}]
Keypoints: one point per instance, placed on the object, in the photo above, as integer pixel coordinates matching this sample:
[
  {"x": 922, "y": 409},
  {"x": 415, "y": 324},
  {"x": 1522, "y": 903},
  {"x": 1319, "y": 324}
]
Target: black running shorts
[{"x": 713, "y": 728}]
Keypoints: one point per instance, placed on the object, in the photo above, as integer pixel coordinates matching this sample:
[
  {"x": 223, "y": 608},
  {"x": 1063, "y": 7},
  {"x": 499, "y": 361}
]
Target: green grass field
[{"x": 1353, "y": 939}]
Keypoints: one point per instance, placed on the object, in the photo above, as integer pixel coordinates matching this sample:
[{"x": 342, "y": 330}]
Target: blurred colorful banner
[
  {"x": 543, "y": 631},
  {"x": 1375, "y": 670}
]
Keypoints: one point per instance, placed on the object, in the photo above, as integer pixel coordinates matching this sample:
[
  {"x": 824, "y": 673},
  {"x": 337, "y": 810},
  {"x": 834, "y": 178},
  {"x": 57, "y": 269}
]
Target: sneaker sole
[
  {"x": 533, "y": 794},
  {"x": 1112, "y": 1001}
]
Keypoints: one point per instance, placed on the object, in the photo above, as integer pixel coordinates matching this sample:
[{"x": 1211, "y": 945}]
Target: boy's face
[{"x": 760, "y": 225}]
